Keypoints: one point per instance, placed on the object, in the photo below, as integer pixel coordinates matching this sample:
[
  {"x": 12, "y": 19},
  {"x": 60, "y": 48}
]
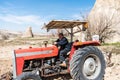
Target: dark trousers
[{"x": 62, "y": 54}]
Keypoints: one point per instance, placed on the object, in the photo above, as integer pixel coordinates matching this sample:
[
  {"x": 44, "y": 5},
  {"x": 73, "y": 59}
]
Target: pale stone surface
[
  {"x": 28, "y": 32},
  {"x": 108, "y": 8}
]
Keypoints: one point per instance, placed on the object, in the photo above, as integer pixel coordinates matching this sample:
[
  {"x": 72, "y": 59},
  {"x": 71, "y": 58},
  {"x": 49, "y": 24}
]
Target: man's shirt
[{"x": 62, "y": 42}]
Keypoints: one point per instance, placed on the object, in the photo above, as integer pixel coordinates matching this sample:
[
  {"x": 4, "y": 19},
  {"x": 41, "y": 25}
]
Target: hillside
[
  {"x": 111, "y": 10},
  {"x": 5, "y": 34}
]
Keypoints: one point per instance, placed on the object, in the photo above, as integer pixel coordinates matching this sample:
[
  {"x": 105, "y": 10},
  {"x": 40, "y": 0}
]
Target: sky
[{"x": 17, "y": 15}]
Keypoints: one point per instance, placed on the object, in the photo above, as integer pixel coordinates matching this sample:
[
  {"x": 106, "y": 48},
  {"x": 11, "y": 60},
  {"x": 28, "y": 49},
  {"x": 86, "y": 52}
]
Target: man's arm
[
  {"x": 57, "y": 40},
  {"x": 62, "y": 42}
]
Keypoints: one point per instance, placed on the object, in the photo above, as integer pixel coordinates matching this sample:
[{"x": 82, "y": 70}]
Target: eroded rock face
[
  {"x": 111, "y": 10},
  {"x": 28, "y": 32}
]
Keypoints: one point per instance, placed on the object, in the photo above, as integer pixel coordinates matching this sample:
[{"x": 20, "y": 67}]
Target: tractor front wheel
[{"x": 87, "y": 64}]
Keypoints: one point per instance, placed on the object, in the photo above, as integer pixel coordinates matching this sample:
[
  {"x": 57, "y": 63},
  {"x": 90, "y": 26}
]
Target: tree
[{"x": 102, "y": 26}]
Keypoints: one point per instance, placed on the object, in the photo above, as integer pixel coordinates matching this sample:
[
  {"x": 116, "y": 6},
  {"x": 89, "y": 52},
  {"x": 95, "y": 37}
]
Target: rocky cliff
[{"x": 110, "y": 9}]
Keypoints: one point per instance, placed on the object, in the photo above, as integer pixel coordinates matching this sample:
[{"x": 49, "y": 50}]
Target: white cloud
[
  {"x": 9, "y": 14},
  {"x": 27, "y": 19},
  {"x": 16, "y": 18},
  {"x": 80, "y": 16},
  {"x": 83, "y": 13},
  {"x": 76, "y": 16}
]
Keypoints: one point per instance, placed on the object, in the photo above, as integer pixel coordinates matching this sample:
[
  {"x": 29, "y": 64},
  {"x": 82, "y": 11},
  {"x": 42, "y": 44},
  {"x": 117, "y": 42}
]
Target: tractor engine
[{"x": 47, "y": 67}]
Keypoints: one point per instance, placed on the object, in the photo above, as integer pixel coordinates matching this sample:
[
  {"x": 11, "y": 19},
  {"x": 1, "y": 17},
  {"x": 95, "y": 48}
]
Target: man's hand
[{"x": 55, "y": 43}]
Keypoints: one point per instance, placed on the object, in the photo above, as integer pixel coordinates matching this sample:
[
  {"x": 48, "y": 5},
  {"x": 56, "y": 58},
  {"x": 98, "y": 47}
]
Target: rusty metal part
[
  {"x": 51, "y": 67},
  {"x": 42, "y": 64},
  {"x": 45, "y": 43},
  {"x": 53, "y": 74}
]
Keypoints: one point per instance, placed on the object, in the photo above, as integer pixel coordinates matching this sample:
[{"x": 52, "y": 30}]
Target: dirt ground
[{"x": 112, "y": 73}]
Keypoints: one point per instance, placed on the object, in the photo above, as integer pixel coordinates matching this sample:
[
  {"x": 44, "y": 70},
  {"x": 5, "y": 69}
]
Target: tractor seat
[{"x": 68, "y": 47}]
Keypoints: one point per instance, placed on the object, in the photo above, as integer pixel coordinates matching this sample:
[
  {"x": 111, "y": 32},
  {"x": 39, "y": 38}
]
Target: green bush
[{"x": 111, "y": 44}]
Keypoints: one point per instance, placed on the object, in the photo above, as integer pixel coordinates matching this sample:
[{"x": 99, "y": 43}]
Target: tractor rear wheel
[
  {"x": 29, "y": 76},
  {"x": 87, "y": 64}
]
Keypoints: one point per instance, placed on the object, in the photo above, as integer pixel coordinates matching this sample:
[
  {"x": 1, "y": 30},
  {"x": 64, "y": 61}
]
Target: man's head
[{"x": 60, "y": 35}]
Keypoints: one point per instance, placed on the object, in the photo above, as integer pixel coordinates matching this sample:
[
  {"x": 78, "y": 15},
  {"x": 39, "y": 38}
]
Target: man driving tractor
[
  {"x": 85, "y": 61},
  {"x": 61, "y": 41},
  {"x": 65, "y": 47}
]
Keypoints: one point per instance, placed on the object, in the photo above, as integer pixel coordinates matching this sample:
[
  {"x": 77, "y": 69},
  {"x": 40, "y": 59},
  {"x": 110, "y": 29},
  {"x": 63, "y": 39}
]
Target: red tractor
[{"x": 84, "y": 61}]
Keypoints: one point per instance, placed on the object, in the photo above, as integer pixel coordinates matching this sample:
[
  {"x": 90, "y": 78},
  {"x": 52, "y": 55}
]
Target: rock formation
[
  {"x": 28, "y": 32},
  {"x": 109, "y": 9}
]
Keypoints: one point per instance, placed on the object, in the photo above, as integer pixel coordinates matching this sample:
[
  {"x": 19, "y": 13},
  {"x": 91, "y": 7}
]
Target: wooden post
[{"x": 71, "y": 34}]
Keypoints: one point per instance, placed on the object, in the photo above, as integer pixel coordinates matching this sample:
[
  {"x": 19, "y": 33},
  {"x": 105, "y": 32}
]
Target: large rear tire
[
  {"x": 87, "y": 64},
  {"x": 29, "y": 76}
]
